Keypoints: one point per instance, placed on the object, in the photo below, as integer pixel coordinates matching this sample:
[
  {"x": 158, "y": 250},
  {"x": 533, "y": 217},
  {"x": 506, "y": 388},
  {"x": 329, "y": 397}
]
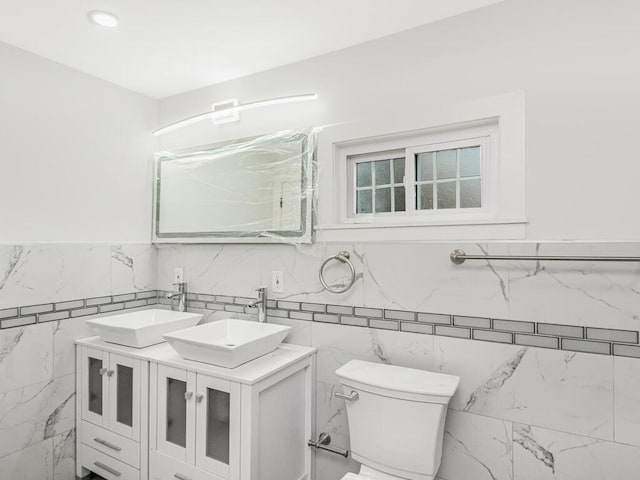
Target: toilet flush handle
[{"x": 350, "y": 396}]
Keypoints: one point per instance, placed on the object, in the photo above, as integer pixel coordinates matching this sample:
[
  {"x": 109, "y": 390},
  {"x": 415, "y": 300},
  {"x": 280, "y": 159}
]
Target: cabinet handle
[
  {"x": 199, "y": 398},
  {"x": 107, "y": 469},
  {"x": 107, "y": 444},
  {"x": 188, "y": 395},
  {"x": 102, "y": 371},
  {"x": 110, "y": 372},
  {"x": 181, "y": 477}
]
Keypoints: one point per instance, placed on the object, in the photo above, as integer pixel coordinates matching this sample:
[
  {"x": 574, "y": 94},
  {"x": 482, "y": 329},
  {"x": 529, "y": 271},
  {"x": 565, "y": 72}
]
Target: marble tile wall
[
  {"x": 521, "y": 412},
  {"x": 420, "y": 277},
  {"x": 37, "y": 362}
]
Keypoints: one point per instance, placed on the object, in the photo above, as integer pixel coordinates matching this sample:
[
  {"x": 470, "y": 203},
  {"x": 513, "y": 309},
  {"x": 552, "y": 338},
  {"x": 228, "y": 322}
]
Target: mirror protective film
[{"x": 252, "y": 190}]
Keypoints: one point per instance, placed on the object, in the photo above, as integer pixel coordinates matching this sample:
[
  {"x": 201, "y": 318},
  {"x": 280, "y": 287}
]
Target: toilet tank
[{"x": 396, "y": 425}]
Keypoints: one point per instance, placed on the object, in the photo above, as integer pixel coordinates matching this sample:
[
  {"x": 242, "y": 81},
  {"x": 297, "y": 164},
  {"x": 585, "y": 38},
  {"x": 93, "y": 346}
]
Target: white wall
[
  {"x": 575, "y": 60},
  {"x": 75, "y": 155},
  {"x": 75, "y": 167}
]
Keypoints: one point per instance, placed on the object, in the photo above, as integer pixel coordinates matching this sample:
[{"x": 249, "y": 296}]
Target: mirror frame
[{"x": 303, "y": 235}]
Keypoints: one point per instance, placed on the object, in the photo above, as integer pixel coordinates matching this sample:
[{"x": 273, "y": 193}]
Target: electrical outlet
[
  {"x": 277, "y": 282},
  {"x": 178, "y": 275}
]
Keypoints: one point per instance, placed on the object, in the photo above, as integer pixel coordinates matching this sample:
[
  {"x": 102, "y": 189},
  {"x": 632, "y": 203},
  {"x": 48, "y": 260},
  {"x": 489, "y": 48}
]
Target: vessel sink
[
  {"x": 142, "y": 328},
  {"x": 227, "y": 343}
]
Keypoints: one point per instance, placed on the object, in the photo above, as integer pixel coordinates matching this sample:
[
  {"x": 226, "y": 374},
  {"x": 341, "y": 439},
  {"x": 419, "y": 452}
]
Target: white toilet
[{"x": 396, "y": 419}]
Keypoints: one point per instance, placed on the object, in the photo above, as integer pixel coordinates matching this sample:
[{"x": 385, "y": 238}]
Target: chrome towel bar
[{"x": 459, "y": 256}]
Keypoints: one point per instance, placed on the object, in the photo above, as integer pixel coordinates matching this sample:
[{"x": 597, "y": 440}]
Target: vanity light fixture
[
  {"x": 230, "y": 115},
  {"x": 103, "y": 19},
  {"x": 226, "y": 111}
]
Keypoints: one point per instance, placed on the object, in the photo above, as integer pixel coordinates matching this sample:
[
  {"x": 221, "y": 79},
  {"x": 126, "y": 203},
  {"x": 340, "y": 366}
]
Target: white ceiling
[{"x": 164, "y": 47}]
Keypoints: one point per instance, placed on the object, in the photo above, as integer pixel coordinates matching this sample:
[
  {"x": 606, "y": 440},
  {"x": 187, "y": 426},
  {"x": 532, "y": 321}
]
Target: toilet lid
[{"x": 395, "y": 380}]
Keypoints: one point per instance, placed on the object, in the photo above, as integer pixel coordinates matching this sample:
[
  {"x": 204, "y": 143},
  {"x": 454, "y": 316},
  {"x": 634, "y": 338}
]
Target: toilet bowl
[{"x": 396, "y": 419}]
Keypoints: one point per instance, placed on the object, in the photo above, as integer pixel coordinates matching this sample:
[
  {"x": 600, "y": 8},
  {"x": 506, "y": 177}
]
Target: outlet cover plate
[
  {"x": 178, "y": 275},
  {"x": 277, "y": 282}
]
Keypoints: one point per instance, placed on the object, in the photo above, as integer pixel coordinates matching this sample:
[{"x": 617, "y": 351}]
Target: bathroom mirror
[{"x": 251, "y": 190}]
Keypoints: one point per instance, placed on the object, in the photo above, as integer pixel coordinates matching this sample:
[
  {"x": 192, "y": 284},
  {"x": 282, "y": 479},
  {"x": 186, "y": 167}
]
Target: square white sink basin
[
  {"x": 142, "y": 328},
  {"x": 227, "y": 343}
]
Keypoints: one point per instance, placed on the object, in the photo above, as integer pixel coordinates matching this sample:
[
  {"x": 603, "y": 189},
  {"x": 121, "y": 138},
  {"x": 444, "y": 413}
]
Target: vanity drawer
[
  {"x": 106, "y": 466},
  {"x": 167, "y": 468},
  {"x": 111, "y": 444}
]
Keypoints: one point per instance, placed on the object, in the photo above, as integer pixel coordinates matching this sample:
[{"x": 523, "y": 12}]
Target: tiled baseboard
[{"x": 573, "y": 338}]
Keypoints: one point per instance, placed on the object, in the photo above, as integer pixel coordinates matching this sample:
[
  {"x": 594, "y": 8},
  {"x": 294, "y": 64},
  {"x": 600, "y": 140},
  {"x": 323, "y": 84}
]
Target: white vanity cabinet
[
  {"x": 251, "y": 422},
  {"x": 149, "y": 414},
  {"x": 112, "y": 425}
]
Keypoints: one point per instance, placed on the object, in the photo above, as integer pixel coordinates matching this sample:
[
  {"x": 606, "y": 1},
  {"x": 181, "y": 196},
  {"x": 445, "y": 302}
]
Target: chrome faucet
[
  {"x": 261, "y": 303},
  {"x": 182, "y": 295}
]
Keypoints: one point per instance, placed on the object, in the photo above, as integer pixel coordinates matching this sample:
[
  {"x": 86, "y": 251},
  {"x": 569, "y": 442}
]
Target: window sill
[{"x": 468, "y": 230}]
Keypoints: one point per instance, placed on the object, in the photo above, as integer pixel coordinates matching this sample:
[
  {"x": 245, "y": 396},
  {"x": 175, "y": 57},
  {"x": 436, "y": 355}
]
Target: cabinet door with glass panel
[
  {"x": 111, "y": 391},
  {"x": 217, "y": 425},
  {"x": 198, "y": 420},
  {"x": 175, "y": 413}
]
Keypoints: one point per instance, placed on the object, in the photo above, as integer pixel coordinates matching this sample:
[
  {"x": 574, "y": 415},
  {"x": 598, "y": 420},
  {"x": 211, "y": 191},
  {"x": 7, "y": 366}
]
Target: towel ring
[{"x": 342, "y": 256}]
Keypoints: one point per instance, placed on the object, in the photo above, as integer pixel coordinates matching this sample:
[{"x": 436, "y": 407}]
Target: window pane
[
  {"x": 470, "y": 162},
  {"x": 398, "y": 193},
  {"x": 424, "y": 197},
  {"x": 398, "y": 170},
  {"x": 363, "y": 201},
  {"x": 176, "y": 412},
  {"x": 383, "y": 199},
  {"x": 446, "y": 164},
  {"x": 218, "y": 425},
  {"x": 363, "y": 174},
  {"x": 383, "y": 172},
  {"x": 124, "y": 403},
  {"x": 470, "y": 193},
  {"x": 446, "y": 195},
  {"x": 424, "y": 166}
]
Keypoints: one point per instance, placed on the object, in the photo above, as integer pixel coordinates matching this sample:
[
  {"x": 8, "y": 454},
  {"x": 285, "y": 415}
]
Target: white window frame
[
  {"x": 505, "y": 193},
  {"x": 482, "y": 133}
]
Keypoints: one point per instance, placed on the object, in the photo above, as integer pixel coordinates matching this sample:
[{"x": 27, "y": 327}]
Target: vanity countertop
[{"x": 249, "y": 373}]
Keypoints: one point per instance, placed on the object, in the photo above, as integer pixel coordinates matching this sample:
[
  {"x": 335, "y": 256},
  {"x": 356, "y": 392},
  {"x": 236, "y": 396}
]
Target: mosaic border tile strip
[
  {"x": 50, "y": 312},
  {"x": 596, "y": 340}
]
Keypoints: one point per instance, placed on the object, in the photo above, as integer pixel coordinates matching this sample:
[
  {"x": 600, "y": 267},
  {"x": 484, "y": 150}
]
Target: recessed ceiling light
[{"x": 104, "y": 19}]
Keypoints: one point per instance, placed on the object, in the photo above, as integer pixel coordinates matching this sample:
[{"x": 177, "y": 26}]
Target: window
[
  {"x": 429, "y": 180},
  {"x": 451, "y": 172}
]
